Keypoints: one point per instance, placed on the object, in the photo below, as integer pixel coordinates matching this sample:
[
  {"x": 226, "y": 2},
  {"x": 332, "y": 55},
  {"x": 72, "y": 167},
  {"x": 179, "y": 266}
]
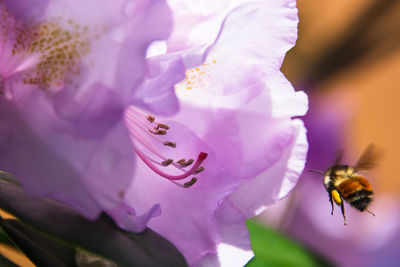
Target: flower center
[
  {"x": 43, "y": 54},
  {"x": 196, "y": 78},
  {"x": 146, "y": 135}
]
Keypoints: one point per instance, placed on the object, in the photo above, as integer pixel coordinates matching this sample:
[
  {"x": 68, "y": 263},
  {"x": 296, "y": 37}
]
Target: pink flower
[
  {"x": 235, "y": 106},
  {"x": 69, "y": 75},
  {"x": 68, "y": 69}
]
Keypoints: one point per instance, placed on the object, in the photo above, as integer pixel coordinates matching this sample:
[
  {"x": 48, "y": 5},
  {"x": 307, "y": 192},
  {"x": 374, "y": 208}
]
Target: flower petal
[
  {"x": 254, "y": 195},
  {"x": 186, "y": 213},
  {"x": 261, "y": 32},
  {"x": 54, "y": 158},
  {"x": 125, "y": 217},
  {"x": 247, "y": 140},
  {"x": 106, "y": 47},
  {"x": 245, "y": 36},
  {"x": 287, "y": 170},
  {"x": 157, "y": 93},
  {"x": 26, "y": 9},
  {"x": 227, "y": 256},
  {"x": 244, "y": 110},
  {"x": 152, "y": 21}
]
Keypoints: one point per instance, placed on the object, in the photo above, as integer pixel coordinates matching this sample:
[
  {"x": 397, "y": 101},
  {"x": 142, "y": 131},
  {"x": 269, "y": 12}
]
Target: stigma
[{"x": 149, "y": 138}]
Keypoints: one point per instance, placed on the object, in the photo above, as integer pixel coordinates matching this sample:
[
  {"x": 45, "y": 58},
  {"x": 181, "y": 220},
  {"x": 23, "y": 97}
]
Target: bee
[{"x": 342, "y": 182}]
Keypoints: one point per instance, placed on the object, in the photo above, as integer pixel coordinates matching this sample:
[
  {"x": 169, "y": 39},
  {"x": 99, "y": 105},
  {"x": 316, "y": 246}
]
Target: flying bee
[{"x": 344, "y": 183}]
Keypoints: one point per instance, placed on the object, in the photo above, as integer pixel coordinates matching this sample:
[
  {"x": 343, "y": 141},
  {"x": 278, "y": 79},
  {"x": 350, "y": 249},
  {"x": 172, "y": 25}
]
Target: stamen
[
  {"x": 190, "y": 183},
  {"x": 167, "y": 162},
  {"x": 151, "y": 118},
  {"x": 151, "y": 155},
  {"x": 185, "y": 163},
  {"x": 145, "y": 142},
  {"x": 164, "y": 126},
  {"x": 47, "y": 54},
  {"x": 202, "y": 156},
  {"x": 159, "y": 132},
  {"x": 199, "y": 170},
  {"x": 168, "y": 143}
]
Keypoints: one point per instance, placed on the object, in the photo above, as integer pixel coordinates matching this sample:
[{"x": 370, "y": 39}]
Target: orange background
[{"x": 369, "y": 86}]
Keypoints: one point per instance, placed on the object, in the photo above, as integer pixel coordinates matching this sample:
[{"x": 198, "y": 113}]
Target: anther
[
  {"x": 163, "y": 126},
  {"x": 150, "y": 118},
  {"x": 159, "y": 132},
  {"x": 190, "y": 183},
  {"x": 185, "y": 163},
  {"x": 168, "y": 143},
  {"x": 199, "y": 170},
  {"x": 167, "y": 162}
]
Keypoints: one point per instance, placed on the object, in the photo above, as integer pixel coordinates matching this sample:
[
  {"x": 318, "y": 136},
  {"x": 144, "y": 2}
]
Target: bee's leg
[
  {"x": 370, "y": 212},
  {"x": 331, "y": 200},
  {"x": 344, "y": 216}
]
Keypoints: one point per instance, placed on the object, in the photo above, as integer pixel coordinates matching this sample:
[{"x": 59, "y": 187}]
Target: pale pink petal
[
  {"x": 254, "y": 195},
  {"x": 198, "y": 22},
  {"x": 126, "y": 218},
  {"x": 247, "y": 36},
  {"x": 157, "y": 93},
  {"x": 226, "y": 256},
  {"x": 248, "y": 139},
  {"x": 26, "y": 9},
  {"x": 64, "y": 136},
  {"x": 187, "y": 213}
]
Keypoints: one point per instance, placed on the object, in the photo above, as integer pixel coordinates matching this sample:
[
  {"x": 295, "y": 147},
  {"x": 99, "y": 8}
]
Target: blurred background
[{"x": 347, "y": 59}]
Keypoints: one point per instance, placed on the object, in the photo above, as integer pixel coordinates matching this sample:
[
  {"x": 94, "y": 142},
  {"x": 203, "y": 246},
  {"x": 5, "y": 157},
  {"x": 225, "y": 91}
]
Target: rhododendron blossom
[
  {"x": 236, "y": 106},
  {"x": 176, "y": 112},
  {"x": 67, "y": 74}
]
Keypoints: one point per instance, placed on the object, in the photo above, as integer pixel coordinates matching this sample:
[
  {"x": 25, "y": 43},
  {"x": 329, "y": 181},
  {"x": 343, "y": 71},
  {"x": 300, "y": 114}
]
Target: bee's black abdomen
[{"x": 360, "y": 199}]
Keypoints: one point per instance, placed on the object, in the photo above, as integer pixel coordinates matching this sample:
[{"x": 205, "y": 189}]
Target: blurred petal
[
  {"x": 85, "y": 171},
  {"x": 38, "y": 167},
  {"x": 67, "y": 75},
  {"x": 26, "y": 9}
]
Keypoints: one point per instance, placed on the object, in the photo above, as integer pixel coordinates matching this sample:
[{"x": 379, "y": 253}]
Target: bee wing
[
  {"x": 368, "y": 158},
  {"x": 338, "y": 158}
]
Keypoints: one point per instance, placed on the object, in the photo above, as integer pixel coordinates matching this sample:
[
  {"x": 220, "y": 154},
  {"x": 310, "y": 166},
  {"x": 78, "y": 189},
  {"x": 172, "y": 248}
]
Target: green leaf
[
  {"x": 98, "y": 237},
  {"x": 41, "y": 250},
  {"x": 272, "y": 248}
]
